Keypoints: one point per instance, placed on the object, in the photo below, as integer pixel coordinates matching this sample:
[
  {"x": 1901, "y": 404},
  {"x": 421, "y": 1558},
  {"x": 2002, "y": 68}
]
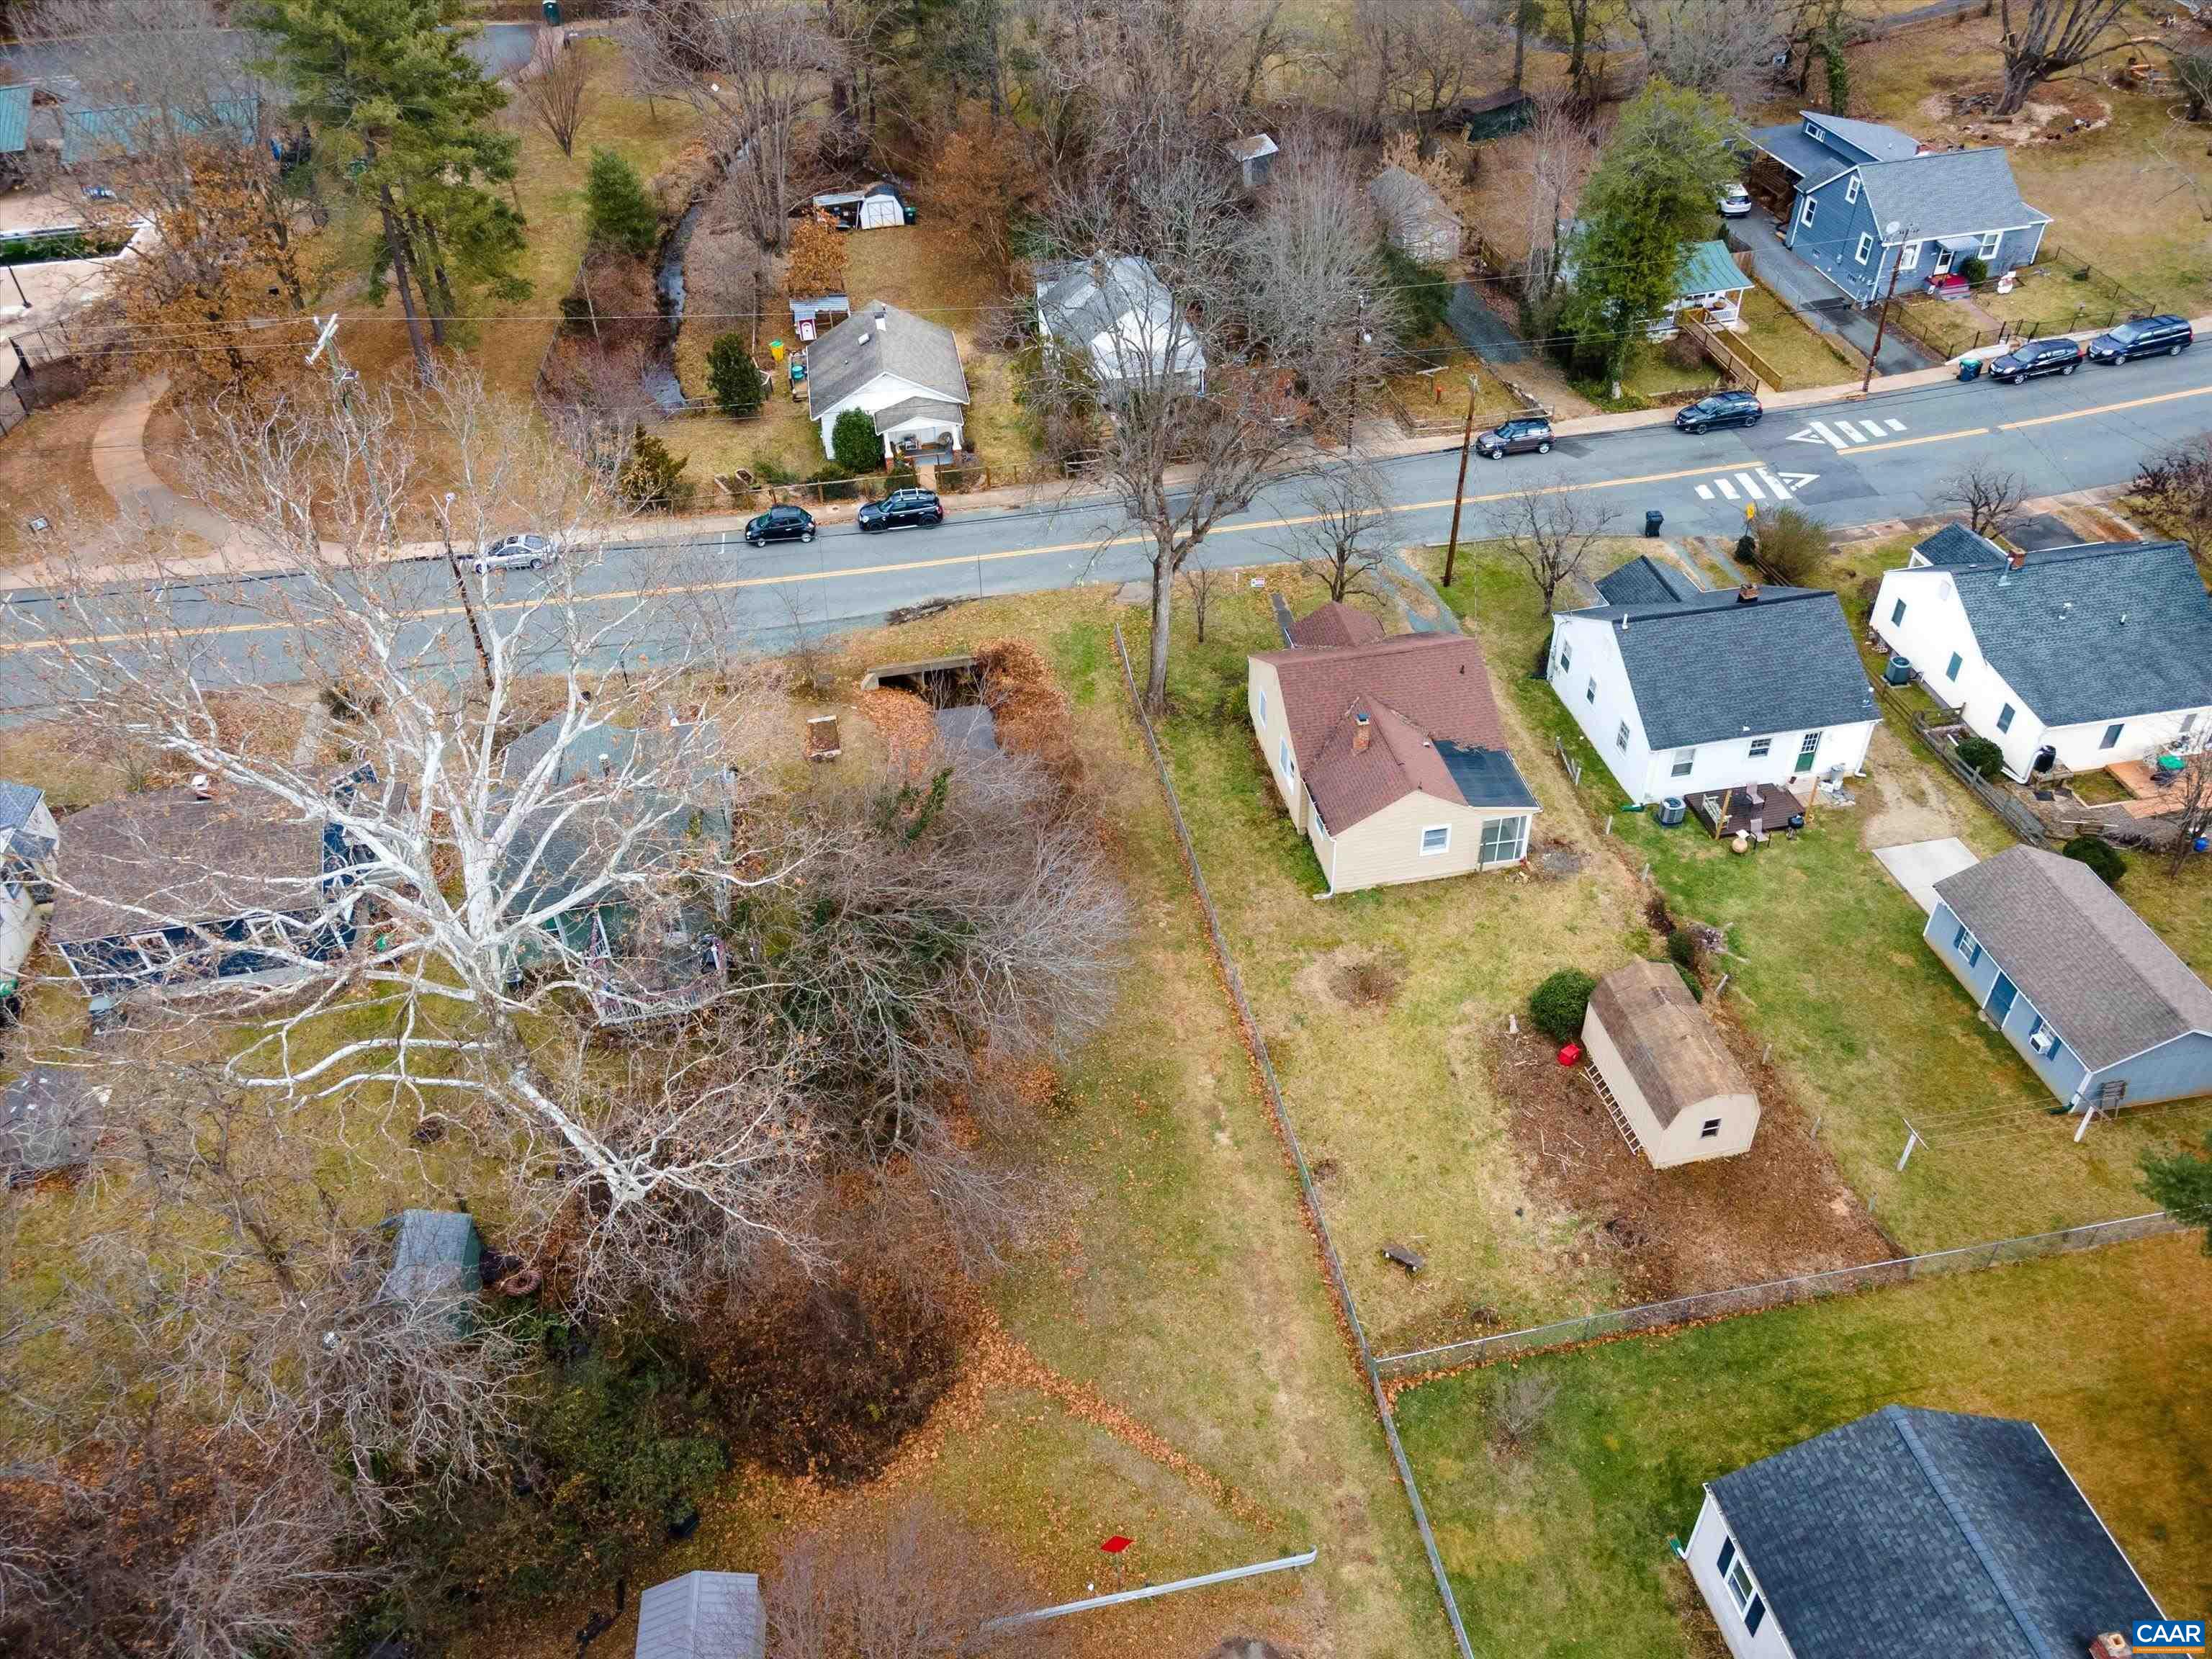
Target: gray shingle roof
[
  {"x": 855, "y": 352},
  {"x": 1871, "y": 137},
  {"x": 1409, "y": 206},
  {"x": 919, "y": 408},
  {"x": 2090, "y": 964},
  {"x": 1647, "y": 580},
  {"x": 2137, "y": 639},
  {"x": 1911, "y": 1533},
  {"x": 50, "y": 1118},
  {"x": 436, "y": 1253},
  {"x": 1948, "y": 192},
  {"x": 17, "y": 802},
  {"x": 168, "y": 858},
  {"x": 703, "y": 1615},
  {"x": 1712, "y": 668},
  {"x": 1954, "y": 546}
]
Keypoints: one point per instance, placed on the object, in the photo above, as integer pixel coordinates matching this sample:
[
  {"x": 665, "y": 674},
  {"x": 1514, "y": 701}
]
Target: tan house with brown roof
[
  {"x": 1676, "y": 1090},
  {"x": 1390, "y": 757}
]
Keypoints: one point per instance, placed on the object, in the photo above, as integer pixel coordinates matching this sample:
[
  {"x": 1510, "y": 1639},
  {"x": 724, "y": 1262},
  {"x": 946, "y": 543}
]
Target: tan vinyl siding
[
  {"x": 1682, "y": 1141},
  {"x": 1385, "y": 847},
  {"x": 1271, "y": 730}
]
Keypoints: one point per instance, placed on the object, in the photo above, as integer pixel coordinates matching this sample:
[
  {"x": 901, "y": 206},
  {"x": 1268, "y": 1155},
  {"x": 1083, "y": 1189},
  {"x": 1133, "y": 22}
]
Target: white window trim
[
  {"x": 1991, "y": 241},
  {"x": 268, "y": 932},
  {"x": 1966, "y": 944},
  {"x": 1589, "y": 693},
  {"x": 1566, "y": 655},
  {"x": 2004, "y": 717},
  {"x": 1805, "y": 762},
  {"x": 1620, "y": 737},
  {"x": 1286, "y": 763},
  {"x": 1761, "y": 748},
  {"x": 1865, "y": 247},
  {"x": 1909, "y": 258},
  {"x": 1263, "y": 708},
  {"x": 1750, "y": 1593},
  {"x": 1442, "y": 847},
  {"x": 139, "y": 942},
  {"x": 1805, "y": 213},
  {"x": 1516, "y": 849},
  {"x": 1851, "y": 188},
  {"x": 1685, "y": 761}
]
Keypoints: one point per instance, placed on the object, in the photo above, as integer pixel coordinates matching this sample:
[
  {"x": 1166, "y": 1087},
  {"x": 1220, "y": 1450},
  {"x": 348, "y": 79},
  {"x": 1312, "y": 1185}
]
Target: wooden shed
[{"x": 1672, "y": 1084}]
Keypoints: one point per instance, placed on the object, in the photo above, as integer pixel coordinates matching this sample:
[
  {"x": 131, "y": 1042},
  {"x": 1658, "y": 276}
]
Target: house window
[
  {"x": 2053, "y": 1048},
  {"x": 1761, "y": 748},
  {"x": 1742, "y": 1590},
  {"x": 2004, "y": 718},
  {"x": 1966, "y": 944},
  {"x": 1989, "y": 243},
  {"x": 1865, "y": 247},
  {"x": 1852, "y": 188},
  {"x": 157, "y": 949},
  {"x": 269, "y": 933},
  {"x": 1589, "y": 691},
  {"x": 1683, "y": 760},
  {"x": 1284, "y": 759},
  {"x": 1812, "y": 132},
  {"x": 2113, "y": 734},
  {"x": 1263, "y": 707},
  {"x": 1711, "y": 1131},
  {"x": 1805, "y": 213},
  {"x": 1620, "y": 737},
  {"x": 1807, "y": 751},
  {"x": 1957, "y": 663},
  {"x": 1566, "y": 655},
  {"x": 1897, "y": 613},
  {"x": 1505, "y": 841},
  {"x": 1909, "y": 258},
  {"x": 1436, "y": 838}
]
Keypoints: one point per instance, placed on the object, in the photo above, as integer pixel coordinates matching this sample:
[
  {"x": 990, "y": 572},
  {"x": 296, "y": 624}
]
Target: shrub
[
  {"x": 1980, "y": 755},
  {"x": 1422, "y": 291},
  {"x": 651, "y": 478},
  {"x": 1696, "y": 986},
  {"x": 768, "y": 469},
  {"x": 1559, "y": 1002},
  {"x": 1793, "y": 545},
  {"x": 854, "y": 442},
  {"x": 1686, "y": 949},
  {"x": 738, "y": 386},
  {"x": 1976, "y": 270},
  {"x": 2099, "y": 855},
  {"x": 903, "y": 476},
  {"x": 617, "y": 211}
]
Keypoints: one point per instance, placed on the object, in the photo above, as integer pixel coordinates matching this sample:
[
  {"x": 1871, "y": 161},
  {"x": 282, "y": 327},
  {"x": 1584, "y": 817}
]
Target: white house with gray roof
[
  {"x": 1910, "y": 1533},
  {"x": 703, "y": 1615},
  {"x": 2067, "y": 659},
  {"x": 1115, "y": 316},
  {"x": 2097, "y": 1004},
  {"x": 1863, "y": 198},
  {"x": 903, "y": 370},
  {"x": 1686, "y": 692}
]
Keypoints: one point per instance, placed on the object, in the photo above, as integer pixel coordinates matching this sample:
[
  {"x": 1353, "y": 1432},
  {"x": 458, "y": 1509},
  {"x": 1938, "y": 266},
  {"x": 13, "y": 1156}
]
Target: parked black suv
[
  {"x": 902, "y": 509},
  {"x": 1515, "y": 438},
  {"x": 2146, "y": 337},
  {"x": 786, "y": 523},
  {"x": 1722, "y": 409},
  {"x": 2032, "y": 357}
]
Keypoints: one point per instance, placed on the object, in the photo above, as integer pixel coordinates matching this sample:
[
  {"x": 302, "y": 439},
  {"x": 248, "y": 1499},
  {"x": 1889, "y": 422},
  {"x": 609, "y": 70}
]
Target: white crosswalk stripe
[
  {"x": 1726, "y": 487},
  {"x": 1850, "y": 432},
  {"x": 1705, "y": 492},
  {"x": 1832, "y": 440},
  {"x": 1896, "y": 426},
  {"x": 1751, "y": 486},
  {"x": 1781, "y": 490}
]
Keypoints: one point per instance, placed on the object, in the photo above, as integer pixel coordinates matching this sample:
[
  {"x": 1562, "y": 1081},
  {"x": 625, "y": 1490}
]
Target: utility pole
[
  {"x": 1881, "y": 324},
  {"x": 461, "y": 587},
  {"x": 1459, "y": 489}
]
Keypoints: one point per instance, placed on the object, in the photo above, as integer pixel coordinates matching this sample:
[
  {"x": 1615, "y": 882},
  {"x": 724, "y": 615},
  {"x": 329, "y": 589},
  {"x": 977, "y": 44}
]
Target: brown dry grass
[{"x": 46, "y": 470}]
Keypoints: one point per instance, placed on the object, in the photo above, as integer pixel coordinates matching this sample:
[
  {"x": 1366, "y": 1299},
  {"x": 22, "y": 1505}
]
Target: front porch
[{"x": 1753, "y": 810}]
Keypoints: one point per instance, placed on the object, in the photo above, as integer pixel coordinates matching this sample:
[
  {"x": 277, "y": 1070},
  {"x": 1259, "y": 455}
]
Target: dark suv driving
[
  {"x": 1515, "y": 438},
  {"x": 1722, "y": 409},
  {"x": 2146, "y": 337},
  {"x": 902, "y": 509},
  {"x": 2032, "y": 357},
  {"x": 786, "y": 523}
]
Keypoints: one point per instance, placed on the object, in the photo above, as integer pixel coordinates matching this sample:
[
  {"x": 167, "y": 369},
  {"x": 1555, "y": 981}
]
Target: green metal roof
[
  {"x": 91, "y": 132},
  {"x": 15, "y": 119},
  {"x": 1709, "y": 268}
]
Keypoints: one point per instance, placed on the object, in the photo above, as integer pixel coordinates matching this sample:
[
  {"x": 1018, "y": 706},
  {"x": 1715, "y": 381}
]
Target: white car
[
  {"x": 1736, "y": 202},
  {"x": 525, "y": 551}
]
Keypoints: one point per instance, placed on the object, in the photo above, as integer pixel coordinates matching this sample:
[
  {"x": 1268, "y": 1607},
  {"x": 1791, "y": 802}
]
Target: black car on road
[
  {"x": 1722, "y": 409},
  {"x": 2145, "y": 336},
  {"x": 1515, "y": 438},
  {"x": 902, "y": 509},
  {"x": 2032, "y": 357},
  {"x": 786, "y": 523}
]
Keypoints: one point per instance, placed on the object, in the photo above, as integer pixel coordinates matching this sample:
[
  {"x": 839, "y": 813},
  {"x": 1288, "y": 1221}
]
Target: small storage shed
[
  {"x": 703, "y": 1615},
  {"x": 437, "y": 1252},
  {"x": 1675, "y": 1084},
  {"x": 50, "y": 1120}
]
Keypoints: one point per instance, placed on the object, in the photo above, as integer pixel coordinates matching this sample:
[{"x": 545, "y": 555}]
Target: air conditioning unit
[{"x": 2042, "y": 1042}]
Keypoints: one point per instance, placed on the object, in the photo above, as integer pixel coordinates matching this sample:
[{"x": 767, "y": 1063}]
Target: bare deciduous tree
[
  {"x": 2043, "y": 38},
  {"x": 1558, "y": 150},
  {"x": 1201, "y": 583},
  {"x": 1723, "y": 48},
  {"x": 2192, "y": 813},
  {"x": 554, "y": 91},
  {"x": 1347, "y": 512},
  {"x": 2177, "y": 483},
  {"x": 1988, "y": 494},
  {"x": 1550, "y": 535}
]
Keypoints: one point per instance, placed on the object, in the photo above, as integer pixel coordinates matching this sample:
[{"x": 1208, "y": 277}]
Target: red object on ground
[
  {"x": 1116, "y": 1544},
  {"x": 1571, "y": 1055}
]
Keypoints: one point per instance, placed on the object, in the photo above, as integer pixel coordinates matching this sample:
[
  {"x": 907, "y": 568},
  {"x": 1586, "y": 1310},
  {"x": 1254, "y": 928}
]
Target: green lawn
[
  {"x": 1561, "y": 1544},
  {"x": 1827, "y": 965},
  {"x": 1802, "y": 357}
]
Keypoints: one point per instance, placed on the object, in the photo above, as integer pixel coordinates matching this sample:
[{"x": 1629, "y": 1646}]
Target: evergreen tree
[
  {"x": 1651, "y": 194},
  {"x": 2181, "y": 1185},
  {"x": 738, "y": 386},
  {"x": 853, "y": 444},
  {"x": 402, "y": 118},
  {"x": 652, "y": 478},
  {"x": 617, "y": 211}
]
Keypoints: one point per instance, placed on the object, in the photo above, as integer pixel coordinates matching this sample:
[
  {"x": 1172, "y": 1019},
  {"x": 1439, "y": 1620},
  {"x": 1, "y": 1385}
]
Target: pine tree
[
  {"x": 402, "y": 118},
  {"x": 734, "y": 378},
  {"x": 2182, "y": 1185},
  {"x": 617, "y": 211}
]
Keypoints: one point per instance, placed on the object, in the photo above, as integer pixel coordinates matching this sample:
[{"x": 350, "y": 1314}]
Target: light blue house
[
  {"x": 2094, "y": 1000},
  {"x": 1864, "y": 197}
]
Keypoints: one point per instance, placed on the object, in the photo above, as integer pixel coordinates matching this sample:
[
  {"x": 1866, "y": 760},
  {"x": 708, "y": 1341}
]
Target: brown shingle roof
[
  {"x": 2091, "y": 965},
  {"x": 1336, "y": 623},
  {"x": 1669, "y": 1047},
  {"x": 184, "y": 859},
  {"x": 1416, "y": 688}
]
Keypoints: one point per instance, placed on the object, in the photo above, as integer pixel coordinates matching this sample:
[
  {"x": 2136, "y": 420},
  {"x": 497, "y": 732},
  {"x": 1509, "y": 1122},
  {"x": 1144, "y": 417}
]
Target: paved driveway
[
  {"x": 1918, "y": 865},
  {"x": 1822, "y": 304},
  {"x": 1481, "y": 330}
]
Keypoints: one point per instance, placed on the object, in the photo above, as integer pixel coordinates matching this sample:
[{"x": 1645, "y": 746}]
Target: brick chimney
[
  {"x": 2111, "y": 1645},
  {"x": 1363, "y": 733},
  {"x": 1747, "y": 593},
  {"x": 2016, "y": 560}
]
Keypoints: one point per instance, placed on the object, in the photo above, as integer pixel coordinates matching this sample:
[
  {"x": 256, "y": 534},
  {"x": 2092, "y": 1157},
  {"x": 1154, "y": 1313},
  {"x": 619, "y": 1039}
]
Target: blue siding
[
  {"x": 2172, "y": 1071},
  {"x": 2062, "y": 1073},
  {"x": 1830, "y": 243}
]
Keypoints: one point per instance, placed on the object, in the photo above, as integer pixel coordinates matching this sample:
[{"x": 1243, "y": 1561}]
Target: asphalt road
[
  {"x": 1847, "y": 463},
  {"x": 498, "y": 49}
]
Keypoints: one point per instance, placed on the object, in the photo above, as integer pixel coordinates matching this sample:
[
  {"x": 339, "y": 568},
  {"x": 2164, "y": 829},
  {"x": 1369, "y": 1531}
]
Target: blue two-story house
[
  {"x": 1863, "y": 199},
  {"x": 2105, "y": 1013}
]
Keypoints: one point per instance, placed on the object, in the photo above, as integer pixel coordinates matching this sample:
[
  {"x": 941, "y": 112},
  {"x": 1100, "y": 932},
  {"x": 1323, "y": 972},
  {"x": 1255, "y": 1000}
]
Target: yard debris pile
[
  {"x": 1030, "y": 709},
  {"x": 907, "y": 729},
  {"x": 1780, "y": 1209}
]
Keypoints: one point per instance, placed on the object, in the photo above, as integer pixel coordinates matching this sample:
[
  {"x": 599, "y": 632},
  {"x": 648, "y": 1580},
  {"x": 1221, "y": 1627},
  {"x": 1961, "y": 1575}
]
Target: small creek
[{"x": 660, "y": 376}]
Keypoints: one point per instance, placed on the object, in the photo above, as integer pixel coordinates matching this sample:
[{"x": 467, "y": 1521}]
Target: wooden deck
[{"x": 1725, "y": 814}]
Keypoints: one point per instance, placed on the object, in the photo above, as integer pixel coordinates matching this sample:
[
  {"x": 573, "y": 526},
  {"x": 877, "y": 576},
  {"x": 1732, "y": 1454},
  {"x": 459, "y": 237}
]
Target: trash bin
[
  {"x": 1652, "y": 520},
  {"x": 552, "y": 10},
  {"x": 1970, "y": 369}
]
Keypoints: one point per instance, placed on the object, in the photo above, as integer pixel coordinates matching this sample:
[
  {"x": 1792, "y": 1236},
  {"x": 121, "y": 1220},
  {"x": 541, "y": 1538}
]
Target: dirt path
[{"x": 1913, "y": 805}]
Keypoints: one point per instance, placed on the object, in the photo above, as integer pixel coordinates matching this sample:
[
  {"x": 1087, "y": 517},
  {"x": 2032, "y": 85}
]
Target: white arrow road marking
[
  {"x": 1798, "y": 480},
  {"x": 1781, "y": 490},
  {"x": 1805, "y": 435},
  {"x": 1781, "y": 486}
]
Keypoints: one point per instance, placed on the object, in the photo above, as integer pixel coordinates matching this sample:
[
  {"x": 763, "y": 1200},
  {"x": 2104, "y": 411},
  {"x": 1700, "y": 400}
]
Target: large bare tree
[
  {"x": 1343, "y": 541},
  {"x": 1557, "y": 153},
  {"x": 1723, "y": 48},
  {"x": 1552, "y": 535},
  {"x": 555, "y": 89},
  {"x": 2043, "y": 38}
]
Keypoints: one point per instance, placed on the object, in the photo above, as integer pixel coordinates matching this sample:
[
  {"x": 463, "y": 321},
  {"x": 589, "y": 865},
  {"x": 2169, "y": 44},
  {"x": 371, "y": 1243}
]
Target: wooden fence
[
  {"x": 1734, "y": 358},
  {"x": 1930, "y": 730}
]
